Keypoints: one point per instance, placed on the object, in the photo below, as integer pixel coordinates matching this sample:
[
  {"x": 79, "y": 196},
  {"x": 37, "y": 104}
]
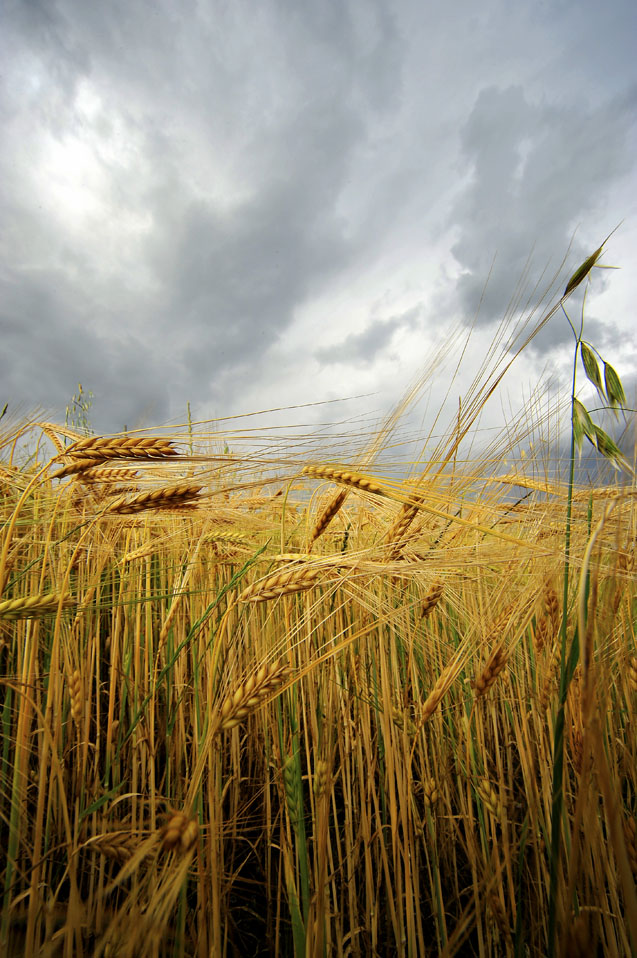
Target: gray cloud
[
  {"x": 365, "y": 346},
  {"x": 181, "y": 184},
  {"x": 536, "y": 168}
]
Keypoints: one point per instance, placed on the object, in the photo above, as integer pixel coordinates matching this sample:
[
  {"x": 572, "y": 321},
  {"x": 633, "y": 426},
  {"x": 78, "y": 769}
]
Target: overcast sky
[{"x": 251, "y": 204}]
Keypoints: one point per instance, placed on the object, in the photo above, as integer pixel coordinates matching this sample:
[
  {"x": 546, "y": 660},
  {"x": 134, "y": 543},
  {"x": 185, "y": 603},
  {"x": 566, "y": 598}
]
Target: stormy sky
[{"x": 245, "y": 205}]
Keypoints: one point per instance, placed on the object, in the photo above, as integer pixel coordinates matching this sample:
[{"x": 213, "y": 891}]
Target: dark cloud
[
  {"x": 365, "y": 346},
  {"x": 181, "y": 183},
  {"x": 536, "y": 169}
]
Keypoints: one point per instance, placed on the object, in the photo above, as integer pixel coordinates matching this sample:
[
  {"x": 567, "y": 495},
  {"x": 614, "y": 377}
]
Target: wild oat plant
[{"x": 302, "y": 704}]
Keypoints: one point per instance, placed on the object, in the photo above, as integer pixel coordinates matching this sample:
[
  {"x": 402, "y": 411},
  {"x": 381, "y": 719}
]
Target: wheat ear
[
  {"x": 127, "y": 447},
  {"x": 490, "y": 672},
  {"x": 179, "y": 833},
  {"x": 168, "y": 497},
  {"x": 326, "y": 516},
  {"x": 29, "y": 607},
  {"x": 75, "y": 694},
  {"x": 252, "y": 693},
  {"x": 297, "y": 579},
  {"x": 120, "y": 846},
  {"x": 346, "y": 477}
]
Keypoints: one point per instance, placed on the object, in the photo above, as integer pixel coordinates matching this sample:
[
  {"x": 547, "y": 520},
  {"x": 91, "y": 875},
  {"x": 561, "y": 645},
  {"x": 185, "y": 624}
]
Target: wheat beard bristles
[
  {"x": 168, "y": 497},
  {"x": 297, "y": 579}
]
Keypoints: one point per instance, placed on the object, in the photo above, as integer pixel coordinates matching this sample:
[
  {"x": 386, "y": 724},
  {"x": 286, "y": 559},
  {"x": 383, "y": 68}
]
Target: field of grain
[{"x": 275, "y": 704}]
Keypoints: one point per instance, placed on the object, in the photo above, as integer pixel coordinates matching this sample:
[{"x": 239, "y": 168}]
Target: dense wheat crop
[{"x": 282, "y": 705}]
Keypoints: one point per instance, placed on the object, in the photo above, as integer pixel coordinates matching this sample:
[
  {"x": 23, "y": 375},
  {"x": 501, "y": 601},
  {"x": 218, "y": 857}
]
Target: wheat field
[{"x": 290, "y": 705}]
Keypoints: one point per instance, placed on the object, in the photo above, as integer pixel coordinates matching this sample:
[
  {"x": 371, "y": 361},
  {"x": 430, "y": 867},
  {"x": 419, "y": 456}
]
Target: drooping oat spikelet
[
  {"x": 490, "y": 672},
  {"x": 253, "y": 693},
  {"x": 179, "y": 833},
  {"x": 345, "y": 476},
  {"x": 32, "y": 606},
  {"x": 168, "y": 497},
  {"x": 75, "y": 694},
  {"x": 297, "y": 579},
  {"x": 326, "y": 516},
  {"x": 432, "y": 599}
]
